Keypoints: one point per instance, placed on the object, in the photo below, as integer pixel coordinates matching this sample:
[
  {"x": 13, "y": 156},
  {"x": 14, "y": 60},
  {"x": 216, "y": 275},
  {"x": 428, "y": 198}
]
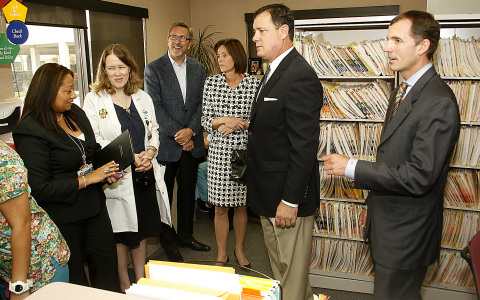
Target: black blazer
[
  {"x": 283, "y": 140},
  {"x": 52, "y": 160},
  {"x": 405, "y": 205}
]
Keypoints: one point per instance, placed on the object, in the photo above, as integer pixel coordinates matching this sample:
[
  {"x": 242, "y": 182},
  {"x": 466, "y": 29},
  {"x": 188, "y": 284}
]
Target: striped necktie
[
  {"x": 399, "y": 97},
  {"x": 265, "y": 78},
  {"x": 264, "y": 81}
]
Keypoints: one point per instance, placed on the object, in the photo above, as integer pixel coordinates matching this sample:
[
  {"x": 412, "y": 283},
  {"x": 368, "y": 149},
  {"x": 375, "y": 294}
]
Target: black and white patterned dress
[{"x": 220, "y": 100}]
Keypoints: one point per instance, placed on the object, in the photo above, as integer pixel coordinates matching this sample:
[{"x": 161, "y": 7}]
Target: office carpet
[{"x": 255, "y": 251}]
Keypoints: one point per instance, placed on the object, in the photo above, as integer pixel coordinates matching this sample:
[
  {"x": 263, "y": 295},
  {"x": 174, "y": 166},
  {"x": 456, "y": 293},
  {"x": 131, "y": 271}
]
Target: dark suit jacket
[
  {"x": 172, "y": 113},
  {"x": 405, "y": 206},
  {"x": 283, "y": 139},
  {"x": 52, "y": 161}
]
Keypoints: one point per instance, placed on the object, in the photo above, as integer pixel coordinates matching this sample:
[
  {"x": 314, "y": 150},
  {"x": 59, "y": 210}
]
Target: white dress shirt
[{"x": 181, "y": 72}]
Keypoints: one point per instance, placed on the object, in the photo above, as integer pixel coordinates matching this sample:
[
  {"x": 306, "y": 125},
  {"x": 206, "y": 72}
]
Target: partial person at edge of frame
[
  {"x": 408, "y": 177},
  {"x": 23, "y": 224}
]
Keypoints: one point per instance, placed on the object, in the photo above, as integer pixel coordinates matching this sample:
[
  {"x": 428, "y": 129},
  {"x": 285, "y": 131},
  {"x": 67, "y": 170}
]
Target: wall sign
[
  {"x": 15, "y": 10},
  {"x": 17, "y": 32},
  {"x": 8, "y": 51}
]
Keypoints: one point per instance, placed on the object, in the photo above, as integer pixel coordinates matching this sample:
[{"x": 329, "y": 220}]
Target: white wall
[{"x": 448, "y": 7}]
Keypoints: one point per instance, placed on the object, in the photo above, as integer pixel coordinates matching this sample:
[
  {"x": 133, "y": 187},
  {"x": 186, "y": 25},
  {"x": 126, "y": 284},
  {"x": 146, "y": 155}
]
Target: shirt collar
[
  {"x": 274, "y": 64},
  {"x": 175, "y": 64},
  {"x": 415, "y": 77}
]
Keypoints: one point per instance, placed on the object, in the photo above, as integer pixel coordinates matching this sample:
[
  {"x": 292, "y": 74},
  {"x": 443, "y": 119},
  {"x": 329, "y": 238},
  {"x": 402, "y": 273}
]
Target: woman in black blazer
[{"x": 57, "y": 144}]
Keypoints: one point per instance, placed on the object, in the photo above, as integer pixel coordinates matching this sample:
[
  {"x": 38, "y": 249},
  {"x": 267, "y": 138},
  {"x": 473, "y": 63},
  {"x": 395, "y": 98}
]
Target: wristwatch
[{"x": 20, "y": 287}]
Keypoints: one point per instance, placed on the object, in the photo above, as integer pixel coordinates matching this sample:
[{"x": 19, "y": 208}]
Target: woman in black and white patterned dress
[{"x": 227, "y": 99}]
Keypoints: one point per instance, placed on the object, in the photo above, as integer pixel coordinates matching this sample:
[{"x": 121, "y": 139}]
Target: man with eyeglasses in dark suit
[{"x": 175, "y": 83}]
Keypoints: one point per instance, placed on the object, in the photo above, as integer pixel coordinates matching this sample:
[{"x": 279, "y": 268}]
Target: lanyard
[{"x": 82, "y": 150}]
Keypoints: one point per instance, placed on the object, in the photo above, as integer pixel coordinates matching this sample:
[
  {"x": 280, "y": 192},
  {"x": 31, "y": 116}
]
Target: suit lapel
[
  {"x": 272, "y": 81},
  {"x": 111, "y": 112},
  {"x": 391, "y": 124},
  {"x": 189, "y": 80},
  {"x": 175, "y": 85}
]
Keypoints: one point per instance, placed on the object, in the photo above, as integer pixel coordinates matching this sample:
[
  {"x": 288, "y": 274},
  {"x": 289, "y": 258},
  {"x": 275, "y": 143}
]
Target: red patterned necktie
[{"x": 399, "y": 97}]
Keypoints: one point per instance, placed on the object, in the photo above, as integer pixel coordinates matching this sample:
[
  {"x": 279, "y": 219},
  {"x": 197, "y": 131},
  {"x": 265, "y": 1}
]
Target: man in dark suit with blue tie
[
  {"x": 282, "y": 167},
  {"x": 407, "y": 180},
  {"x": 175, "y": 83}
]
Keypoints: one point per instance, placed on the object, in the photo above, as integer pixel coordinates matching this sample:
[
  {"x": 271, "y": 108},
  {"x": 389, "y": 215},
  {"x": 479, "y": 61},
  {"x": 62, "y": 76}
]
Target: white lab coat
[{"x": 120, "y": 197}]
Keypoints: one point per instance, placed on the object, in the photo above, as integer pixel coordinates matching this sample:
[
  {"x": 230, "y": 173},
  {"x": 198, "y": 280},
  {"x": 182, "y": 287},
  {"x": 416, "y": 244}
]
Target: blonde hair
[{"x": 134, "y": 82}]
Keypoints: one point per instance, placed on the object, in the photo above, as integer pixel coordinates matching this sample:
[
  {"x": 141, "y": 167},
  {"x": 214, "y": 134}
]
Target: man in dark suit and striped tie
[{"x": 406, "y": 182}]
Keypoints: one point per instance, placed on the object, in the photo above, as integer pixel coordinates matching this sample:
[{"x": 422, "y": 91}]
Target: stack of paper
[
  {"x": 467, "y": 150},
  {"x": 459, "y": 227},
  {"x": 339, "y": 187},
  {"x": 467, "y": 93},
  {"x": 358, "y": 101},
  {"x": 451, "y": 269},
  {"x": 456, "y": 57},
  {"x": 355, "y": 140},
  {"x": 463, "y": 188},
  {"x": 366, "y": 58},
  {"x": 173, "y": 281},
  {"x": 341, "y": 256},
  {"x": 339, "y": 219},
  {"x": 254, "y": 288}
]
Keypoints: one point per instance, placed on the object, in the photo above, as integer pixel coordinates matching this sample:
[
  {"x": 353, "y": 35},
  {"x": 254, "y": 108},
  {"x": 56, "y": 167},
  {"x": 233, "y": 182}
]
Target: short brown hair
[
  {"x": 43, "y": 91},
  {"x": 281, "y": 15},
  {"x": 134, "y": 82},
  {"x": 236, "y": 50},
  {"x": 181, "y": 24},
  {"x": 424, "y": 26}
]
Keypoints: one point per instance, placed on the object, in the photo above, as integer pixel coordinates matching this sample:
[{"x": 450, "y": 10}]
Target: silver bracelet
[{"x": 84, "y": 182}]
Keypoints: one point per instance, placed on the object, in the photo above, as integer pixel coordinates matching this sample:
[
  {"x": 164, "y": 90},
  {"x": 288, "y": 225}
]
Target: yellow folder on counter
[
  {"x": 190, "y": 288},
  {"x": 190, "y": 266}
]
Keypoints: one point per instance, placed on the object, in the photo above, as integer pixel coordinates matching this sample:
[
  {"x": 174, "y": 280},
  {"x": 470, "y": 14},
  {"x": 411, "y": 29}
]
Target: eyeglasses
[{"x": 180, "y": 38}]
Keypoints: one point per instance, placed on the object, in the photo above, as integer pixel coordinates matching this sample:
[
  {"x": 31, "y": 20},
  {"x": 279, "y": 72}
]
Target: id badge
[{"x": 85, "y": 170}]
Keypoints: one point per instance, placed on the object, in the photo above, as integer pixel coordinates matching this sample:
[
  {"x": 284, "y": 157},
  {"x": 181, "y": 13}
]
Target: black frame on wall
[{"x": 98, "y": 6}]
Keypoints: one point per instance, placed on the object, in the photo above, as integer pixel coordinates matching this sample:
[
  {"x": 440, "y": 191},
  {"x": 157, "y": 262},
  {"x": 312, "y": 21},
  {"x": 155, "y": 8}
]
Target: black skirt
[{"x": 148, "y": 215}]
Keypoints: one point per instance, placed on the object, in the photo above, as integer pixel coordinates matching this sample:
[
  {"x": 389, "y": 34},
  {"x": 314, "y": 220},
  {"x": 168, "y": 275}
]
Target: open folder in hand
[{"x": 120, "y": 150}]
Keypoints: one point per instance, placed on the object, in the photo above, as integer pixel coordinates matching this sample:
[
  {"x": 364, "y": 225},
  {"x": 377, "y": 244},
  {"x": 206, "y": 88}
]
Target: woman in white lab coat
[{"x": 136, "y": 201}]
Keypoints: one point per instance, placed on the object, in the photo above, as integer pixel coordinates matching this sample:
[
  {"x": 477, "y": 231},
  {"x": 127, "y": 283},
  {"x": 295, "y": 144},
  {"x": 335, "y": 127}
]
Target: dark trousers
[
  {"x": 92, "y": 241},
  {"x": 185, "y": 171},
  {"x": 392, "y": 284}
]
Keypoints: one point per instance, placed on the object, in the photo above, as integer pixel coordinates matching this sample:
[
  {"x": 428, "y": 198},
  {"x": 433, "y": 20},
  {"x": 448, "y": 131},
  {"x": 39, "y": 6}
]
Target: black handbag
[{"x": 239, "y": 166}]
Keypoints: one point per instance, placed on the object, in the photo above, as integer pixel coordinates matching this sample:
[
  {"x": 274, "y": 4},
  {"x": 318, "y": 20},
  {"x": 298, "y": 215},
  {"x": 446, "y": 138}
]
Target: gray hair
[{"x": 184, "y": 25}]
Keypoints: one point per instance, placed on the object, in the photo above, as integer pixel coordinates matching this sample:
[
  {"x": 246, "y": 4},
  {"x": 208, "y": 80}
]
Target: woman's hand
[
  {"x": 226, "y": 125},
  {"x": 143, "y": 162},
  {"x": 105, "y": 172},
  {"x": 225, "y": 130},
  {"x": 235, "y": 123}
]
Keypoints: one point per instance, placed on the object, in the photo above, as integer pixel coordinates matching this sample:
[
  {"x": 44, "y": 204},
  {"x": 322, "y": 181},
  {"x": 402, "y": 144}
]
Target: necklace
[
  {"x": 82, "y": 150},
  {"x": 61, "y": 117},
  {"x": 127, "y": 109}
]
